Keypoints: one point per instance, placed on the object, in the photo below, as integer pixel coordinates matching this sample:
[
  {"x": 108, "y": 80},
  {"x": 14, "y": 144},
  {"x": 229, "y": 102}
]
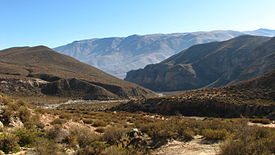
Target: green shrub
[
  {"x": 9, "y": 142},
  {"x": 210, "y": 134},
  {"x": 27, "y": 137}
]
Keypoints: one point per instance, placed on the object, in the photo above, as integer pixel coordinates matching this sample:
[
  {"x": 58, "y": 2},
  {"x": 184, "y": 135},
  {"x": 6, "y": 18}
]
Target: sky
[{"x": 57, "y": 22}]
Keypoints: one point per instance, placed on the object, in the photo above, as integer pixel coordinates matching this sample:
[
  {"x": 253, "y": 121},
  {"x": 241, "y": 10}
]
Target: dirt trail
[{"x": 195, "y": 147}]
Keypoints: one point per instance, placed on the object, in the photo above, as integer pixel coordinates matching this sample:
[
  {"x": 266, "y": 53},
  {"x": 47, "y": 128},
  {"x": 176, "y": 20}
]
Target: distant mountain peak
[{"x": 118, "y": 55}]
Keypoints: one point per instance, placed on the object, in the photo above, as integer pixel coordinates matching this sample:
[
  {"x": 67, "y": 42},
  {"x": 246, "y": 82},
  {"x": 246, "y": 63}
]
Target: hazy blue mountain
[
  {"x": 118, "y": 55},
  {"x": 262, "y": 32}
]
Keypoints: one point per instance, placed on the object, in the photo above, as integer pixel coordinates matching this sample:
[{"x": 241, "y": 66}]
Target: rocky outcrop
[
  {"x": 209, "y": 65},
  {"x": 199, "y": 107}
]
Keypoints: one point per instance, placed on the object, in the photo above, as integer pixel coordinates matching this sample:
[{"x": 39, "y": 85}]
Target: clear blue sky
[{"x": 57, "y": 22}]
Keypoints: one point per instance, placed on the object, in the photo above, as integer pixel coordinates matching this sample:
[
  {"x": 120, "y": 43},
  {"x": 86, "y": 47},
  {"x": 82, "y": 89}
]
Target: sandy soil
[
  {"x": 261, "y": 125},
  {"x": 197, "y": 146}
]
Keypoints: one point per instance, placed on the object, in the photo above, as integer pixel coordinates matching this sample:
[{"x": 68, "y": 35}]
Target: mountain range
[
  {"x": 40, "y": 71},
  {"x": 118, "y": 55},
  {"x": 209, "y": 65}
]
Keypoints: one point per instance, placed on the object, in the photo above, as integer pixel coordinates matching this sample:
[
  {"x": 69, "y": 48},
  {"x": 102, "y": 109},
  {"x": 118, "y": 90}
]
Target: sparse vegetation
[
  {"x": 211, "y": 134},
  {"x": 250, "y": 140},
  {"x": 9, "y": 142},
  {"x": 124, "y": 133},
  {"x": 261, "y": 120}
]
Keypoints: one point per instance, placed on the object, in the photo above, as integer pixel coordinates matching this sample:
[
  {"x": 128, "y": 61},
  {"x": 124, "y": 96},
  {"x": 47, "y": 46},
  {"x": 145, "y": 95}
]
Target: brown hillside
[
  {"x": 209, "y": 65},
  {"x": 59, "y": 75},
  {"x": 253, "y": 98}
]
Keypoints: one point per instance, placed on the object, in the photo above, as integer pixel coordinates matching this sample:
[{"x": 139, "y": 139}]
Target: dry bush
[
  {"x": 211, "y": 134},
  {"x": 88, "y": 121},
  {"x": 81, "y": 136},
  {"x": 93, "y": 148},
  {"x": 100, "y": 130},
  {"x": 98, "y": 123},
  {"x": 114, "y": 134},
  {"x": 250, "y": 140},
  {"x": 162, "y": 131},
  {"x": 47, "y": 147},
  {"x": 56, "y": 133},
  {"x": 24, "y": 114},
  {"x": 58, "y": 121},
  {"x": 261, "y": 120}
]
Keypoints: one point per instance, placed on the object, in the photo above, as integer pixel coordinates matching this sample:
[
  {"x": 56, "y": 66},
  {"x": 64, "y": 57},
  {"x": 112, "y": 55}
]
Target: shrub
[
  {"x": 47, "y": 147},
  {"x": 58, "y": 121},
  {"x": 114, "y": 134},
  {"x": 98, "y": 123},
  {"x": 100, "y": 130},
  {"x": 6, "y": 100},
  {"x": 9, "y": 142},
  {"x": 56, "y": 133},
  {"x": 94, "y": 148},
  {"x": 115, "y": 150},
  {"x": 252, "y": 141},
  {"x": 162, "y": 131},
  {"x": 34, "y": 122},
  {"x": 27, "y": 137},
  {"x": 24, "y": 114},
  {"x": 210, "y": 134},
  {"x": 262, "y": 120},
  {"x": 81, "y": 136},
  {"x": 88, "y": 121}
]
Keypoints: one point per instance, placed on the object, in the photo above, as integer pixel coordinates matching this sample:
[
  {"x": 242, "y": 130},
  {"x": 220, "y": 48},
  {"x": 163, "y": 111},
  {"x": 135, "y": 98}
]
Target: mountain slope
[
  {"x": 117, "y": 56},
  {"x": 253, "y": 98},
  {"x": 48, "y": 72},
  {"x": 209, "y": 65}
]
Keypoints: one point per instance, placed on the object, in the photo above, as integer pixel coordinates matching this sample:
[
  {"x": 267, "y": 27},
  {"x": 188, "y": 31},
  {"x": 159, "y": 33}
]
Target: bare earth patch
[
  {"x": 262, "y": 125},
  {"x": 197, "y": 146}
]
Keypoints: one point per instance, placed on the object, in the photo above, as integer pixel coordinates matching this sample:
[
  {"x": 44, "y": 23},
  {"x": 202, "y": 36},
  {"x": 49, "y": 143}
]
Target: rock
[
  {"x": 4, "y": 82},
  {"x": 1, "y": 125},
  {"x": 135, "y": 138},
  {"x": 16, "y": 122},
  {"x": 17, "y": 153}
]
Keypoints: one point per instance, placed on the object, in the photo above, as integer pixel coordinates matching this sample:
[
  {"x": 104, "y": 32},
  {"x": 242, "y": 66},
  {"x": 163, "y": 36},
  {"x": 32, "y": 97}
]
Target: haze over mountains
[
  {"x": 119, "y": 55},
  {"x": 209, "y": 65},
  {"x": 40, "y": 71}
]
